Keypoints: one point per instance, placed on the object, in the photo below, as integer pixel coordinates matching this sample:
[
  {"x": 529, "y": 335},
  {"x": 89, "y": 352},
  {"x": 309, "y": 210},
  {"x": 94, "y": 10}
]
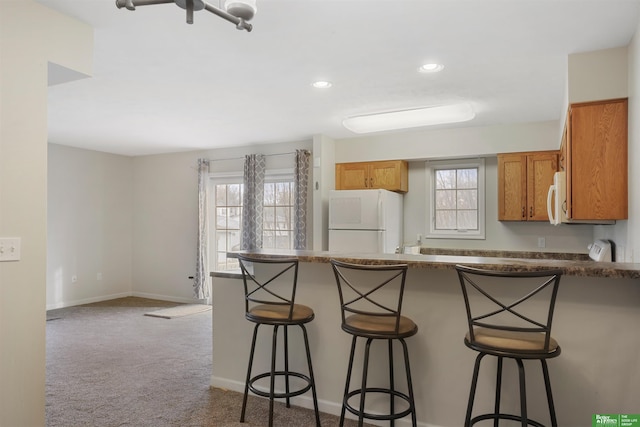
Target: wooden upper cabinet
[
  {"x": 540, "y": 171},
  {"x": 512, "y": 187},
  {"x": 389, "y": 175},
  {"x": 523, "y": 183},
  {"x": 597, "y": 160}
]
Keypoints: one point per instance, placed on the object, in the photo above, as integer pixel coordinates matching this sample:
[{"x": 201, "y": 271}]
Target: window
[
  {"x": 277, "y": 232},
  {"x": 455, "y": 199},
  {"x": 277, "y": 228},
  {"x": 227, "y": 222}
]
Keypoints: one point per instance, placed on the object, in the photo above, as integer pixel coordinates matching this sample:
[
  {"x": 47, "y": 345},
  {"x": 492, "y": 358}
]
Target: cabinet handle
[
  {"x": 523, "y": 213},
  {"x": 365, "y": 182},
  {"x": 371, "y": 182},
  {"x": 531, "y": 212}
]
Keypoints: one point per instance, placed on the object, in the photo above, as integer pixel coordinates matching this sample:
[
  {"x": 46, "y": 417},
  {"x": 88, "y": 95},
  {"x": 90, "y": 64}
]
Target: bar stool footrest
[
  {"x": 280, "y": 395},
  {"x": 385, "y": 417},
  {"x": 510, "y": 417}
]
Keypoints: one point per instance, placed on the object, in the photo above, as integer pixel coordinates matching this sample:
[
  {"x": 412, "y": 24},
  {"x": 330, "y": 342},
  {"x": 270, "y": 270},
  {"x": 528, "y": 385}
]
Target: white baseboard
[
  {"x": 326, "y": 406},
  {"x": 301, "y": 401},
  {"x": 168, "y": 298},
  {"x": 71, "y": 303},
  {"x": 101, "y": 298}
]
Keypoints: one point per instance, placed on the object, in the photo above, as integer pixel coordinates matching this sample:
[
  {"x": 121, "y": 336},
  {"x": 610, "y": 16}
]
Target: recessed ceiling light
[
  {"x": 431, "y": 68},
  {"x": 321, "y": 84},
  {"x": 406, "y": 119}
]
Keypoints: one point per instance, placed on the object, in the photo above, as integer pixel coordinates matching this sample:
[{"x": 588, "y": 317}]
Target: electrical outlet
[
  {"x": 10, "y": 249},
  {"x": 541, "y": 242},
  {"x": 99, "y": 276}
]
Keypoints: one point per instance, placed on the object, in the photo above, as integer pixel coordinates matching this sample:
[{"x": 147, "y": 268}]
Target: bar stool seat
[
  {"x": 366, "y": 315},
  {"x": 270, "y": 313},
  {"x": 525, "y": 344},
  {"x": 379, "y": 327},
  {"x": 270, "y": 288},
  {"x": 514, "y": 325}
]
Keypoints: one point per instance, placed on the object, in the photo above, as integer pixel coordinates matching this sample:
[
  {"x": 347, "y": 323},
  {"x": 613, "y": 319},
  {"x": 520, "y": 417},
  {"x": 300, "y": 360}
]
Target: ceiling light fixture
[
  {"x": 405, "y": 119},
  {"x": 321, "y": 84},
  {"x": 431, "y": 68},
  {"x": 235, "y": 11}
]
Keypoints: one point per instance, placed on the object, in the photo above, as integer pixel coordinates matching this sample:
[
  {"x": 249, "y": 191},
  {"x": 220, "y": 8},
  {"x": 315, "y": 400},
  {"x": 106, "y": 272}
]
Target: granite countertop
[{"x": 570, "y": 264}]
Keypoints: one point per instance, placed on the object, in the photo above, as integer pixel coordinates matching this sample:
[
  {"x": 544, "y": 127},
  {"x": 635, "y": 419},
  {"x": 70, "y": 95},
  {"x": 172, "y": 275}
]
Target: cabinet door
[
  {"x": 540, "y": 170},
  {"x": 391, "y": 175},
  {"x": 352, "y": 176},
  {"x": 597, "y": 150},
  {"x": 512, "y": 187}
]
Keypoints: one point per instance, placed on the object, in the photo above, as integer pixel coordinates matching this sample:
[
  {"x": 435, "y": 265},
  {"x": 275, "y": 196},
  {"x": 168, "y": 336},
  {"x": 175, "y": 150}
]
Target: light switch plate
[{"x": 10, "y": 248}]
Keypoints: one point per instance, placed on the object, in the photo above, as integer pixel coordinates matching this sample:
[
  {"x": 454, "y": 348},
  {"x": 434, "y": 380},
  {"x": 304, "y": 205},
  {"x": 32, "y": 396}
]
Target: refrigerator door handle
[{"x": 381, "y": 213}]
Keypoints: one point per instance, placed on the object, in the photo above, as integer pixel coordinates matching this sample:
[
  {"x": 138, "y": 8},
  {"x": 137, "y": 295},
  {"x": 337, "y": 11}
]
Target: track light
[{"x": 236, "y": 11}]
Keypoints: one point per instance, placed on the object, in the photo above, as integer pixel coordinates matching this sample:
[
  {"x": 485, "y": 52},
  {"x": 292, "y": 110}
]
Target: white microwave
[{"x": 557, "y": 204}]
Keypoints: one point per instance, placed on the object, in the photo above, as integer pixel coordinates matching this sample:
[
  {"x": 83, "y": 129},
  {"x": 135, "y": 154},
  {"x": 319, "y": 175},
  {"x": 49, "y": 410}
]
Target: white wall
[
  {"x": 451, "y": 142},
  {"x": 165, "y": 221},
  {"x": 600, "y": 74},
  {"x": 89, "y": 226},
  {"x": 30, "y": 36},
  {"x": 324, "y": 180}
]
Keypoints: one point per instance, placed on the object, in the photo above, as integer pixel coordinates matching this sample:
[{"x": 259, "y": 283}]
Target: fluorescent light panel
[{"x": 405, "y": 119}]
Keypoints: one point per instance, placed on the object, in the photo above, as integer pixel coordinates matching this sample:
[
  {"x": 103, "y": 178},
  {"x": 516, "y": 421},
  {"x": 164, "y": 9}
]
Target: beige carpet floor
[{"x": 109, "y": 365}]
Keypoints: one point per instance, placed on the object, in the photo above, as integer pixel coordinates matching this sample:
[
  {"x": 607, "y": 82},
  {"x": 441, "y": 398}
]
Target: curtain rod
[{"x": 242, "y": 158}]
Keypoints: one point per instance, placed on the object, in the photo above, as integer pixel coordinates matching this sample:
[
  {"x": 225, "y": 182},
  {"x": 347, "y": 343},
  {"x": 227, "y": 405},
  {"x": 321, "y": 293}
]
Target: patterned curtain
[
  {"x": 301, "y": 176},
  {"x": 201, "y": 280},
  {"x": 252, "y": 201}
]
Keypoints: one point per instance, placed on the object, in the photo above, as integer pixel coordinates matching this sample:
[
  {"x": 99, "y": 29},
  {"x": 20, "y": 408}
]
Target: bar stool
[
  {"x": 509, "y": 316},
  {"x": 270, "y": 290},
  {"x": 371, "y": 304}
]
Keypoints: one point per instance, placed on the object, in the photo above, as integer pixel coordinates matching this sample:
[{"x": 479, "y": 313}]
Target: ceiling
[{"x": 160, "y": 85}]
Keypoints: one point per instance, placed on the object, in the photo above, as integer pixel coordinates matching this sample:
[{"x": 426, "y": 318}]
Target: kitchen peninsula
[{"x": 597, "y": 312}]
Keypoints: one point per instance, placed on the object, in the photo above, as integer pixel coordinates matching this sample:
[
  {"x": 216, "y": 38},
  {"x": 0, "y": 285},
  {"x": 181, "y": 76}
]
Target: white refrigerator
[{"x": 366, "y": 221}]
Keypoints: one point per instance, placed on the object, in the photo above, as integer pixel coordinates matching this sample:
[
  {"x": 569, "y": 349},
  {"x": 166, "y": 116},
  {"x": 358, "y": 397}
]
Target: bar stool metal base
[
  {"x": 282, "y": 395},
  {"x": 286, "y": 373},
  {"x": 391, "y": 392},
  {"x": 510, "y": 417},
  {"x": 392, "y": 416},
  {"x": 497, "y": 415}
]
